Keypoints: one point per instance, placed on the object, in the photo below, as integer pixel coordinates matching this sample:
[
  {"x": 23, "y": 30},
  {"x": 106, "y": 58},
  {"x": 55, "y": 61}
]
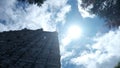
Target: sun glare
[{"x": 74, "y": 31}]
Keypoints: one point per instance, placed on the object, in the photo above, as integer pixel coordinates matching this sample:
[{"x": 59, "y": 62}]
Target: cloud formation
[
  {"x": 16, "y": 16},
  {"x": 85, "y": 11},
  {"x": 104, "y": 53}
]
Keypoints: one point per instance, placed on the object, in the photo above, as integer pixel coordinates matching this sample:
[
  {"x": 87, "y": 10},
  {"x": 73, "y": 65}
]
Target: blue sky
[
  {"x": 97, "y": 47},
  {"x": 89, "y": 25}
]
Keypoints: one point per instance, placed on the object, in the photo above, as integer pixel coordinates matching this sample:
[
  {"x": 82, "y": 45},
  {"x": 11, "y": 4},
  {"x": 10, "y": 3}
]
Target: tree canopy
[
  {"x": 107, "y": 9},
  {"x": 118, "y": 66},
  {"x": 38, "y": 2}
]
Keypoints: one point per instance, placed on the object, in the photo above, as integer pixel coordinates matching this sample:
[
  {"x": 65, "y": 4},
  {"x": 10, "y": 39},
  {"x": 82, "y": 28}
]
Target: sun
[{"x": 74, "y": 31}]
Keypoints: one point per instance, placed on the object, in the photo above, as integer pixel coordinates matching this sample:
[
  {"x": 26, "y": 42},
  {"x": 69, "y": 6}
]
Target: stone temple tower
[{"x": 29, "y": 49}]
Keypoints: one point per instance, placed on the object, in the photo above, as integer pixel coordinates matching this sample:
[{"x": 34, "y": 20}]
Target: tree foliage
[
  {"x": 38, "y": 2},
  {"x": 118, "y": 66},
  {"x": 107, "y": 9}
]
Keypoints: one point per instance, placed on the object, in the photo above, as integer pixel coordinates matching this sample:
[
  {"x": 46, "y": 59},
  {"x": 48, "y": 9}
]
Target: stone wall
[{"x": 29, "y": 49}]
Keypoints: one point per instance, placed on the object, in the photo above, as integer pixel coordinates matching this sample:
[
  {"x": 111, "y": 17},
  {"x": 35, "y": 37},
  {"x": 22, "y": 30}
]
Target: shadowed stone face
[{"x": 29, "y": 49}]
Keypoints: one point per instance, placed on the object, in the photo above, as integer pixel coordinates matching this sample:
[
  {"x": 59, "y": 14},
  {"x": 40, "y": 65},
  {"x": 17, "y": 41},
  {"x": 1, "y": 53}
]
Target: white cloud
[
  {"x": 85, "y": 12},
  {"x": 14, "y": 17},
  {"x": 57, "y": 3},
  {"x": 61, "y": 15},
  {"x": 104, "y": 53},
  {"x": 67, "y": 54}
]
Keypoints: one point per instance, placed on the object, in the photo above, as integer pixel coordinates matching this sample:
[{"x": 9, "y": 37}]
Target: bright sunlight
[{"x": 74, "y": 31}]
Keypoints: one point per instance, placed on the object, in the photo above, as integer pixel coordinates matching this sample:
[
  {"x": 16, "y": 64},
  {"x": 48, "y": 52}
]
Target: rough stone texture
[{"x": 29, "y": 49}]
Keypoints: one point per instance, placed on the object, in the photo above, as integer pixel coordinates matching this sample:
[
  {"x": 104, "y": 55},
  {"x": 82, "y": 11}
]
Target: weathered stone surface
[{"x": 29, "y": 49}]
